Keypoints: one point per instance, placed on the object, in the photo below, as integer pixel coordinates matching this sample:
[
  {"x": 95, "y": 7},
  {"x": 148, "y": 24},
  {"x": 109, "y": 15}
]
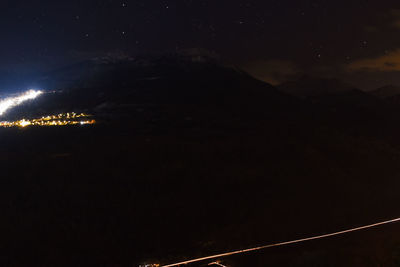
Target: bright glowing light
[
  {"x": 24, "y": 123},
  {"x": 53, "y": 120},
  {"x": 11, "y": 102}
]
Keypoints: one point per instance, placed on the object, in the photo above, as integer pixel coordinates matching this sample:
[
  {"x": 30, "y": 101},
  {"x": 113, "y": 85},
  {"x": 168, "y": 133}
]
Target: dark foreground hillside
[{"x": 181, "y": 169}]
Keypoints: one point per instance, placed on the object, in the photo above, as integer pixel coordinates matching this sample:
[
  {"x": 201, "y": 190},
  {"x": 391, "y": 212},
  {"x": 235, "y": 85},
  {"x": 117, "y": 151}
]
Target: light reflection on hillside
[
  {"x": 10, "y": 102},
  {"x": 52, "y": 120}
]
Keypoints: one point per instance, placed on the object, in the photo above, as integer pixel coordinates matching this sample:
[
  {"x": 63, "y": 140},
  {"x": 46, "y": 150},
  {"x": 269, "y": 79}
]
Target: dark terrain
[{"x": 194, "y": 158}]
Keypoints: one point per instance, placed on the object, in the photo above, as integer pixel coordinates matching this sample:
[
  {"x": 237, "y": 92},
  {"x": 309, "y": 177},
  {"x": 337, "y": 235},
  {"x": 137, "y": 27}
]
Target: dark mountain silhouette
[
  {"x": 332, "y": 94},
  {"x": 190, "y": 158},
  {"x": 390, "y": 93},
  {"x": 308, "y": 86},
  {"x": 386, "y": 91},
  {"x": 169, "y": 88}
]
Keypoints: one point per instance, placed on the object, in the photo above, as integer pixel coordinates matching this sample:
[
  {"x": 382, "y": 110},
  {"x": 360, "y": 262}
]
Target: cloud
[
  {"x": 388, "y": 20},
  {"x": 272, "y": 71},
  {"x": 387, "y": 63},
  {"x": 395, "y": 13}
]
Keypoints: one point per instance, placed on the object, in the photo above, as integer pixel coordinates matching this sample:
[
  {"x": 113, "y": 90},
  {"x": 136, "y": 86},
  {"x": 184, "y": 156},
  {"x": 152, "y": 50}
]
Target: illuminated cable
[{"x": 283, "y": 243}]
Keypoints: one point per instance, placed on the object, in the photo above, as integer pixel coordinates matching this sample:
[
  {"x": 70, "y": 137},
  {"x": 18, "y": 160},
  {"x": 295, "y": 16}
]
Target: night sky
[{"x": 356, "y": 41}]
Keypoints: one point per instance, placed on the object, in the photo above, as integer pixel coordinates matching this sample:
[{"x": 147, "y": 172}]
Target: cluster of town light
[{"x": 53, "y": 120}]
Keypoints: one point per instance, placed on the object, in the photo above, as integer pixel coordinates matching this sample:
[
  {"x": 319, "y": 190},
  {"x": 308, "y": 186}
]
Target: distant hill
[
  {"x": 331, "y": 93},
  {"x": 386, "y": 91},
  {"x": 308, "y": 86}
]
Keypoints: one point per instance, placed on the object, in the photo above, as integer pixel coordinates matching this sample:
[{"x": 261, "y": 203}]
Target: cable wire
[{"x": 283, "y": 243}]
